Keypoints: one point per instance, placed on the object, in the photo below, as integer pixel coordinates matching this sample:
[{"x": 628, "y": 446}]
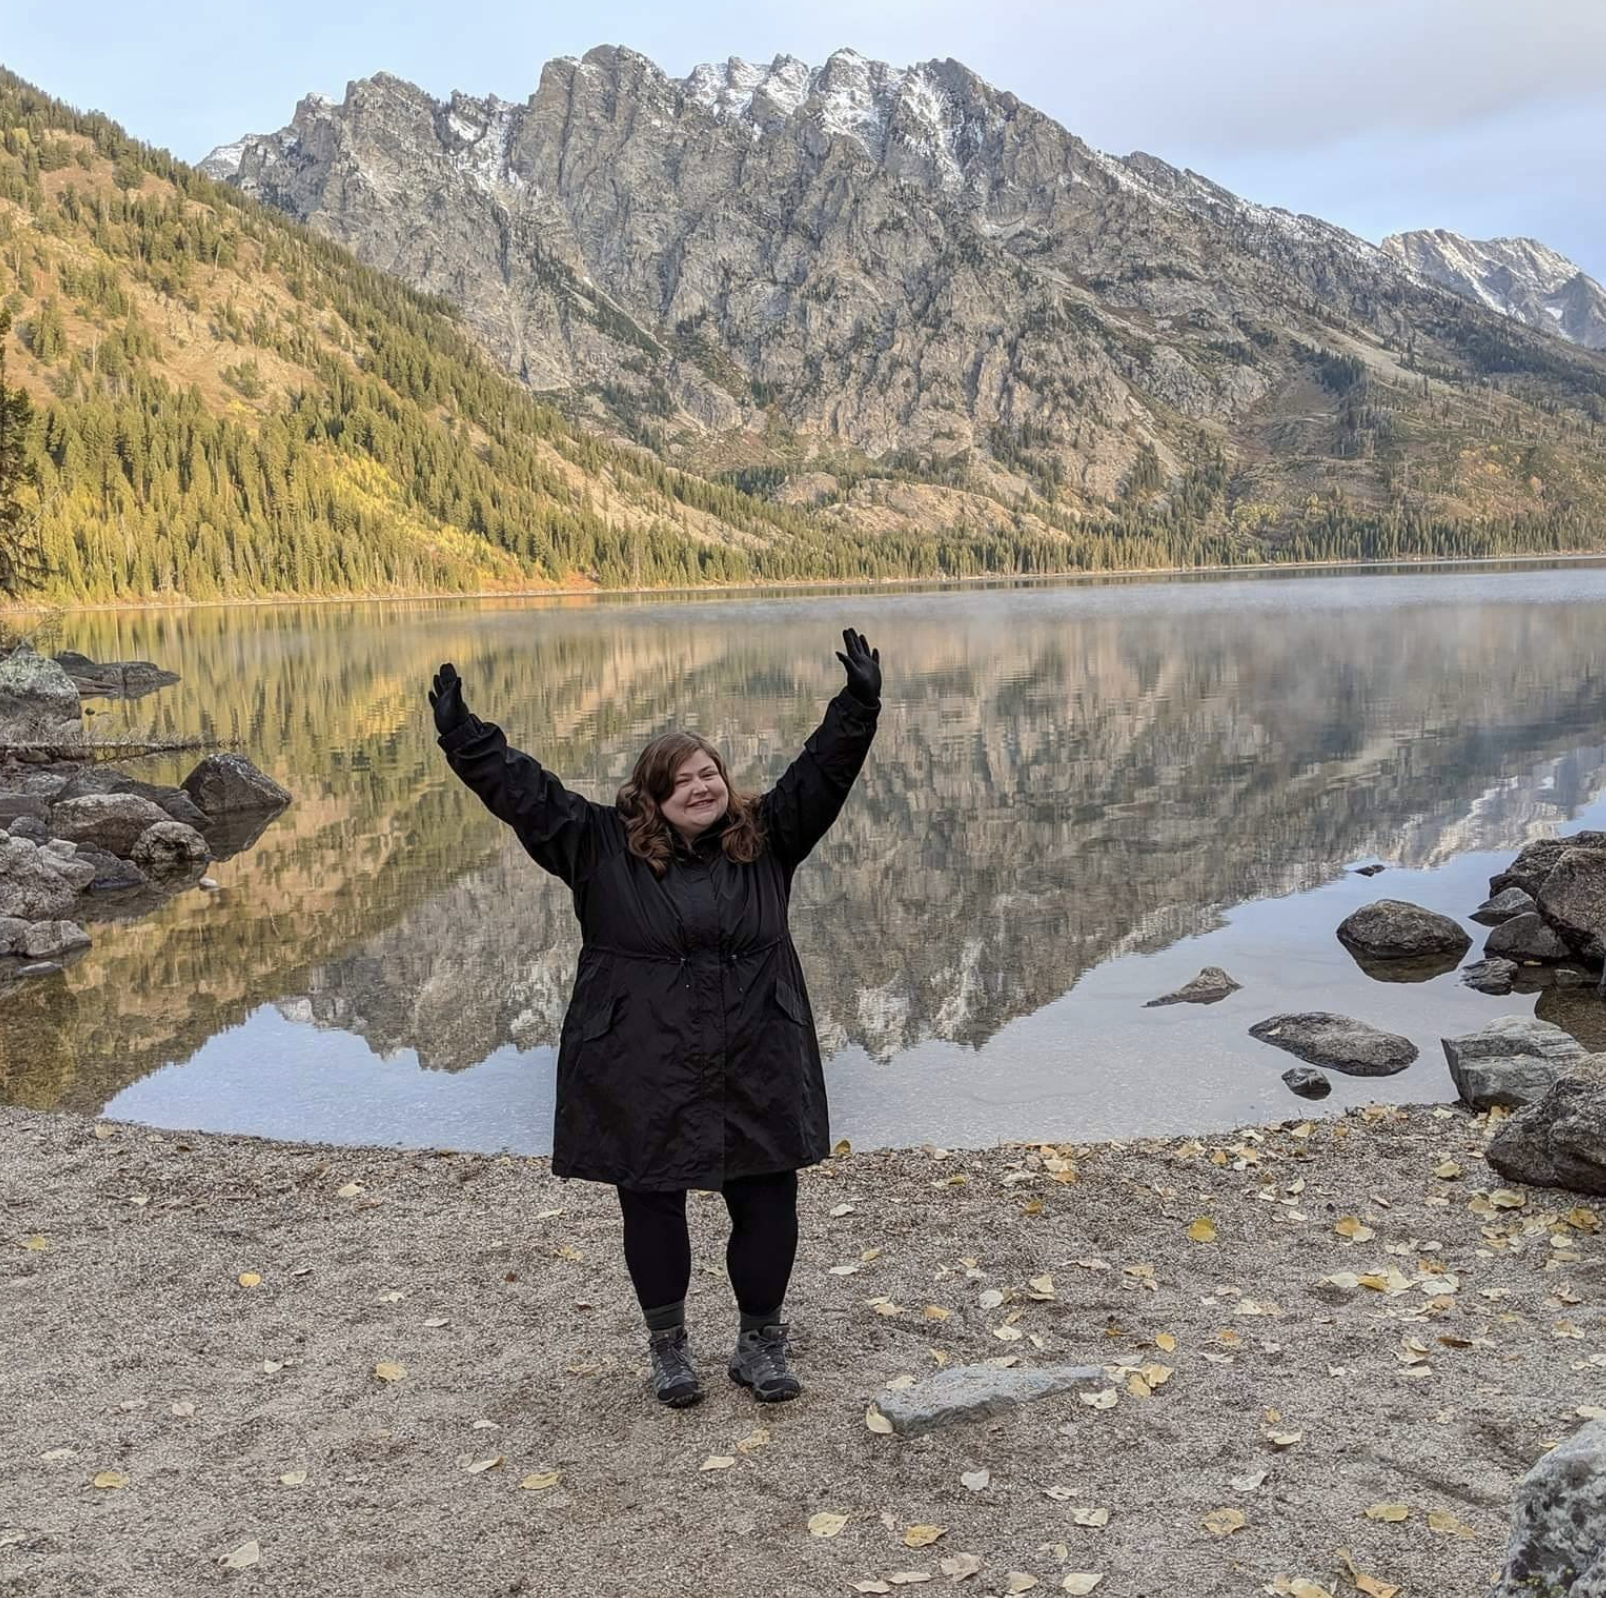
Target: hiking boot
[
  {"x": 674, "y": 1379},
  {"x": 759, "y": 1364}
]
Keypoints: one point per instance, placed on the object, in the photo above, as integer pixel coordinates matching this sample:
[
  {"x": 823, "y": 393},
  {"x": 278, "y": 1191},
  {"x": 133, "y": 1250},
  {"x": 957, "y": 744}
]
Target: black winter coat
[{"x": 688, "y": 1052}]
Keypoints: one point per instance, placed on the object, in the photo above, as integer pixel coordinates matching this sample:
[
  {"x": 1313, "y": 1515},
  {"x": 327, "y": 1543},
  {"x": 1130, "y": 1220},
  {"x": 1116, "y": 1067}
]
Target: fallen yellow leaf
[
  {"x": 1224, "y": 1522},
  {"x": 1391, "y": 1512},
  {"x": 826, "y": 1524},
  {"x": 1203, "y": 1230},
  {"x": 539, "y": 1481},
  {"x": 111, "y": 1478},
  {"x": 923, "y": 1536},
  {"x": 718, "y": 1462},
  {"x": 248, "y": 1279},
  {"x": 389, "y": 1371},
  {"x": 877, "y": 1422}
]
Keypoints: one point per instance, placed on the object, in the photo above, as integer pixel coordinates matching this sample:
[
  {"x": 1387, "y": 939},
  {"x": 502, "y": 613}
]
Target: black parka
[{"x": 688, "y": 1053}]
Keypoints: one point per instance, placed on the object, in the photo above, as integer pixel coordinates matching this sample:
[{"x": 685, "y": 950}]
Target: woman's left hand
[{"x": 863, "y": 666}]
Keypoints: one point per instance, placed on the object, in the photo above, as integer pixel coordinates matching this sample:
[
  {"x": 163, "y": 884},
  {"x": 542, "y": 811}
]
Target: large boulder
[
  {"x": 1536, "y": 861},
  {"x": 974, "y": 1392},
  {"x": 168, "y": 849},
  {"x": 1391, "y": 929},
  {"x": 1558, "y": 1522},
  {"x": 110, "y": 821},
  {"x": 1559, "y": 1140},
  {"x": 1493, "y": 975},
  {"x": 1338, "y": 1042},
  {"x": 1503, "y": 906},
  {"x": 111, "y": 872},
  {"x": 223, "y": 783},
  {"x": 1212, "y": 984},
  {"x": 1573, "y": 900},
  {"x": 36, "y": 885},
  {"x": 1527, "y": 937},
  {"x": 1512, "y": 1061},
  {"x": 38, "y": 703},
  {"x": 48, "y": 940}
]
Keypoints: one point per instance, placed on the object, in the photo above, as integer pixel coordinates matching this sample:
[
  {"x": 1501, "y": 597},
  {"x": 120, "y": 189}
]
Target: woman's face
[{"x": 698, "y": 798}]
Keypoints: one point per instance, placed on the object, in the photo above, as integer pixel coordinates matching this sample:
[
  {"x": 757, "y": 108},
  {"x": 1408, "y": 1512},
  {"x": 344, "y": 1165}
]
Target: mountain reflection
[{"x": 1061, "y": 776}]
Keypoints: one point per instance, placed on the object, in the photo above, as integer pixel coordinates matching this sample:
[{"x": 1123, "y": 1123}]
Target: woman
[{"x": 688, "y": 1056}]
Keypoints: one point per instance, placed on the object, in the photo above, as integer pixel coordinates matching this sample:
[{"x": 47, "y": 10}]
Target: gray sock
[
  {"x": 666, "y": 1316},
  {"x": 757, "y": 1323}
]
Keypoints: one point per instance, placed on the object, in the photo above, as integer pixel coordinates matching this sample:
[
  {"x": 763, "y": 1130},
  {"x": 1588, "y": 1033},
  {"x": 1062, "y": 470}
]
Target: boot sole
[
  {"x": 681, "y": 1400},
  {"x": 763, "y": 1398}
]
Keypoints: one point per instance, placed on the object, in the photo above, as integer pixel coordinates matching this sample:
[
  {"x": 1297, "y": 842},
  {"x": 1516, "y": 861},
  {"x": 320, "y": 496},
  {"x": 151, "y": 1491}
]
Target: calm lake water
[{"x": 1080, "y": 794}]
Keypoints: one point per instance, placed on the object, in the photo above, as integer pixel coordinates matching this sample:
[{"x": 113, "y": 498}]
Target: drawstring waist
[{"x": 730, "y": 959}]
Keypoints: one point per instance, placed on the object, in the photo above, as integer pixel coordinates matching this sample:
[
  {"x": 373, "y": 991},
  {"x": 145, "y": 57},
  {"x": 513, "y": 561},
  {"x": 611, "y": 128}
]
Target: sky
[{"x": 1484, "y": 116}]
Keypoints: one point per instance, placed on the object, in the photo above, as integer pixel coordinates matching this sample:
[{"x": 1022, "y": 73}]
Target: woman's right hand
[{"x": 446, "y": 699}]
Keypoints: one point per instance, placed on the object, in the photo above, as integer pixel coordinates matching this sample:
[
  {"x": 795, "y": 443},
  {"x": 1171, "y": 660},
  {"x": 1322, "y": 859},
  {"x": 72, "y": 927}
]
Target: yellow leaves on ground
[
  {"x": 718, "y": 1462},
  {"x": 245, "y": 1555},
  {"x": 957, "y": 1567},
  {"x": 1203, "y": 1230},
  {"x": 842, "y": 1149},
  {"x": 1447, "y": 1170},
  {"x": 248, "y": 1279},
  {"x": 826, "y": 1524},
  {"x": 1104, "y": 1398},
  {"x": 350, "y": 1190},
  {"x": 1370, "y": 1585},
  {"x": 875, "y": 1421},
  {"x": 1081, "y": 1582},
  {"x": 476, "y": 1467},
  {"x": 1283, "y": 1439},
  {"x": 110, "y": 1478},
  {"x": 1091, "y": 1517},
  {"x": 36, "y": 1244},
  {"x": 1165, "y": 1342},
  {"x": 1041, "y": 1288},
  {"x": 1350, "y": 1226},
  {"x": 923, "y": 1536},
  {"x": 1018, "y": 1581},
  {"x": 1444, "y": 1520},
  {"x": 538, "y": 1481},
  {"x": 293, "y": 1478},
  {"x": 935, "y": 1312},
  {"x": 389, "y": 1371},
  {"x": 1389, "y": 1512},
  {"x": 1224, "y": 1522},
  {"x": 103, "y": 1131}
]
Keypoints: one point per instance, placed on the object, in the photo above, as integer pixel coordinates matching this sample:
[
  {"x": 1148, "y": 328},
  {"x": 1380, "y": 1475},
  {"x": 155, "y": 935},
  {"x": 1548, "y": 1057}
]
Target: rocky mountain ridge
[
  {"x": 1520, "y": 278},
  {"x": 815, "y": 275}
]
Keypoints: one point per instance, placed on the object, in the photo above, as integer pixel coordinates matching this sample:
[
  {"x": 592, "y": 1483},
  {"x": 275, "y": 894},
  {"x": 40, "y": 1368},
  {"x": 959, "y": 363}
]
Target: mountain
[
  {"x": 1521, "y": 278},
  {"x": 904, "y": 294}
]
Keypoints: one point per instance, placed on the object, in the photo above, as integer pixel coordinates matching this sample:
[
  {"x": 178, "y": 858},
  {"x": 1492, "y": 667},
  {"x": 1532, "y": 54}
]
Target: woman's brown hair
[{"x": 653, "y": 781}]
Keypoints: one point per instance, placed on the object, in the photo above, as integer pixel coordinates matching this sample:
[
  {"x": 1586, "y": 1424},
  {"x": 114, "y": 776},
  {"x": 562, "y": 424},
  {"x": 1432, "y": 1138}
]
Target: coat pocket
[
  {"x": 791, "y": 1002},
  {"x": 600, "y": 1018}
]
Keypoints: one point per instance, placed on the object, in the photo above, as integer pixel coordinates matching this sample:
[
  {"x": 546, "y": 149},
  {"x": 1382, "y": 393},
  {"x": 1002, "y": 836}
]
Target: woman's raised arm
[
  {"x": 561, "y": 831},
  {"x": 799, "y": 810}
]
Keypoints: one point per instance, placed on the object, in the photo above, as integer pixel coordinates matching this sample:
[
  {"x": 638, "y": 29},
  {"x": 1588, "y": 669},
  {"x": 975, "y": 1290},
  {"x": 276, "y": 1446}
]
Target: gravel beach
[{"x": 300, "y": 1358}]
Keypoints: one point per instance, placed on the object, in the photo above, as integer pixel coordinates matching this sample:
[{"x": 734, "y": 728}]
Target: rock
[
  {"x": 38, "y": 703},
  {"x": 1369, "y": 871},
  {"x": 16, "y": 806},
  {"x": 209, "y": 883},
  {"x": 1560, "y": 1139},
  {"x": 1503, "y": 906},
  {"x": 1558, "y": 1522},
  {"x": 1337, "y": 1042},
  {"x": 12, "y": 931},
  {"x": 27, "y": 827},
  {"x": 1512, "y": 1061},
  {"x": 223, "y": 783},
  {"x": 1526, "y": 937},
  {"x": 1211, "y": 985},
  {"x": 113, "y": 679},
  {"x": 972, "y": 1392},
  {"x": 38, "y": 968},
  {"x": 98, "y": 779},
  {"x": 111, "y": 872},
  {"x": 1529, "y": 870},
  {"x": 1493, "y": 975},
  {"x": 1573, "y": 901},
  {"x": 44, "y": 940},
  {"x": 1391, "y": 929},
  {"x": 34, "y": 885},
  {"x": 1307, "y": 1082},
  {"x": 169, "y": 849},
  {"x": 110, "y": 821}
]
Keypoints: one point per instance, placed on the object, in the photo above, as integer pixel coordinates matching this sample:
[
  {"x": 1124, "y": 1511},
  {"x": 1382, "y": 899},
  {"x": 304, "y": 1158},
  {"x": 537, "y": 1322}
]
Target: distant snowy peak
[{"x": 1520, "y": 278}]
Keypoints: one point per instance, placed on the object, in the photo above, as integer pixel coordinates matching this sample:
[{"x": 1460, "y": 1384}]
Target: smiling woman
[{"x": 688, "y": 1056}]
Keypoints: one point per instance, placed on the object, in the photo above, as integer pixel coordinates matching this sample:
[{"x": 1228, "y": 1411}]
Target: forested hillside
[{"x": 228, "y": 405}]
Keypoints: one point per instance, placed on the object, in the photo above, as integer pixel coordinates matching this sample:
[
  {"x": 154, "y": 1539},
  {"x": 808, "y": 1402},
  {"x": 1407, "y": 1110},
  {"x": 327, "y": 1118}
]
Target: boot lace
[
  {"x": 766, "y": 1354},
  {"x": 671, "y": 1361}
]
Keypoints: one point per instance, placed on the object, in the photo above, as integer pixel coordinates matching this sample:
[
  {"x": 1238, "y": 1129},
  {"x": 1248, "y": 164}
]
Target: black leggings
[{"x": 763, "y": 1243}]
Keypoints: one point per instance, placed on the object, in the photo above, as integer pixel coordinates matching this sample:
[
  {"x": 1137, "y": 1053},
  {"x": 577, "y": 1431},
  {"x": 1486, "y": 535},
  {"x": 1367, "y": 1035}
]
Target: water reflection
[{"x": 1064, "y": 777}]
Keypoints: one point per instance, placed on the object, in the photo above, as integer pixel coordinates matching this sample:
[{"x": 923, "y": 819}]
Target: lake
[{"x": 1080, "y": 794}]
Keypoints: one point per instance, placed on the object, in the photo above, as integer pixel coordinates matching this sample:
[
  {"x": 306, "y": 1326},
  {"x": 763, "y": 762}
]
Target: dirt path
[{"x": 130, "y": 1346}]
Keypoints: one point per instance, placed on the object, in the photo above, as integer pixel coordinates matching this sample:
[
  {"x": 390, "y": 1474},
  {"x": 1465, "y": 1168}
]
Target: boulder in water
[
  {"x": 1391, "y": 929},
  {"x": 1338, "y": 1042},
  {"x": 1558, "y": 1140},
  {"x": 228, "y": 782},
  {"x": 1211, "y": 985},
  {"x": 38, "y": 703},
  {"x": 1512, "y": 1061}
]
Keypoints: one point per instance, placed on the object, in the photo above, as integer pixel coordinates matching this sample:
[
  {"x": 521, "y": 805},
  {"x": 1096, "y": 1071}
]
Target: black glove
[
  {"x": 446, "y": 699},
  {"x": 863, "y": 666}
]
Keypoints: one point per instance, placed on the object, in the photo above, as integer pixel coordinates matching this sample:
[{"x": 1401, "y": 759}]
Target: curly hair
[{"x": 653, "y": 780}]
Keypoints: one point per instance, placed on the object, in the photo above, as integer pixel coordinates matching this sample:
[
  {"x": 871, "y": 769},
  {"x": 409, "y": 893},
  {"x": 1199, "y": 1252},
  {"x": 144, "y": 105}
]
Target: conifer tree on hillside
[{"x": 21, "y": 565}]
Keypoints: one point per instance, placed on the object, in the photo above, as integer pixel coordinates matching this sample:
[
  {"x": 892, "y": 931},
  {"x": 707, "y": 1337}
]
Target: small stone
[
  {"x": 1369, "y": 871},
  {"x": 1492, "y": 975},
  {"x": 972, "y": 1392},
  {"x": 1307, "y": 1082},
  {"x": 1337, "y": 1042},
  {"x": 1211, "y": 985},
  {"x": 1503, "y": 906}
]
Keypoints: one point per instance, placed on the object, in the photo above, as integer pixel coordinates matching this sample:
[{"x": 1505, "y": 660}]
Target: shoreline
[
  {"x": 202, "y": 1314},
  {"x": 806, "y": 585}
]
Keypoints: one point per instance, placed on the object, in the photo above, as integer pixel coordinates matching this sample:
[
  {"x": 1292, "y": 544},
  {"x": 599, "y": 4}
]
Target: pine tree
[{"x": 21, "y": 565}]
